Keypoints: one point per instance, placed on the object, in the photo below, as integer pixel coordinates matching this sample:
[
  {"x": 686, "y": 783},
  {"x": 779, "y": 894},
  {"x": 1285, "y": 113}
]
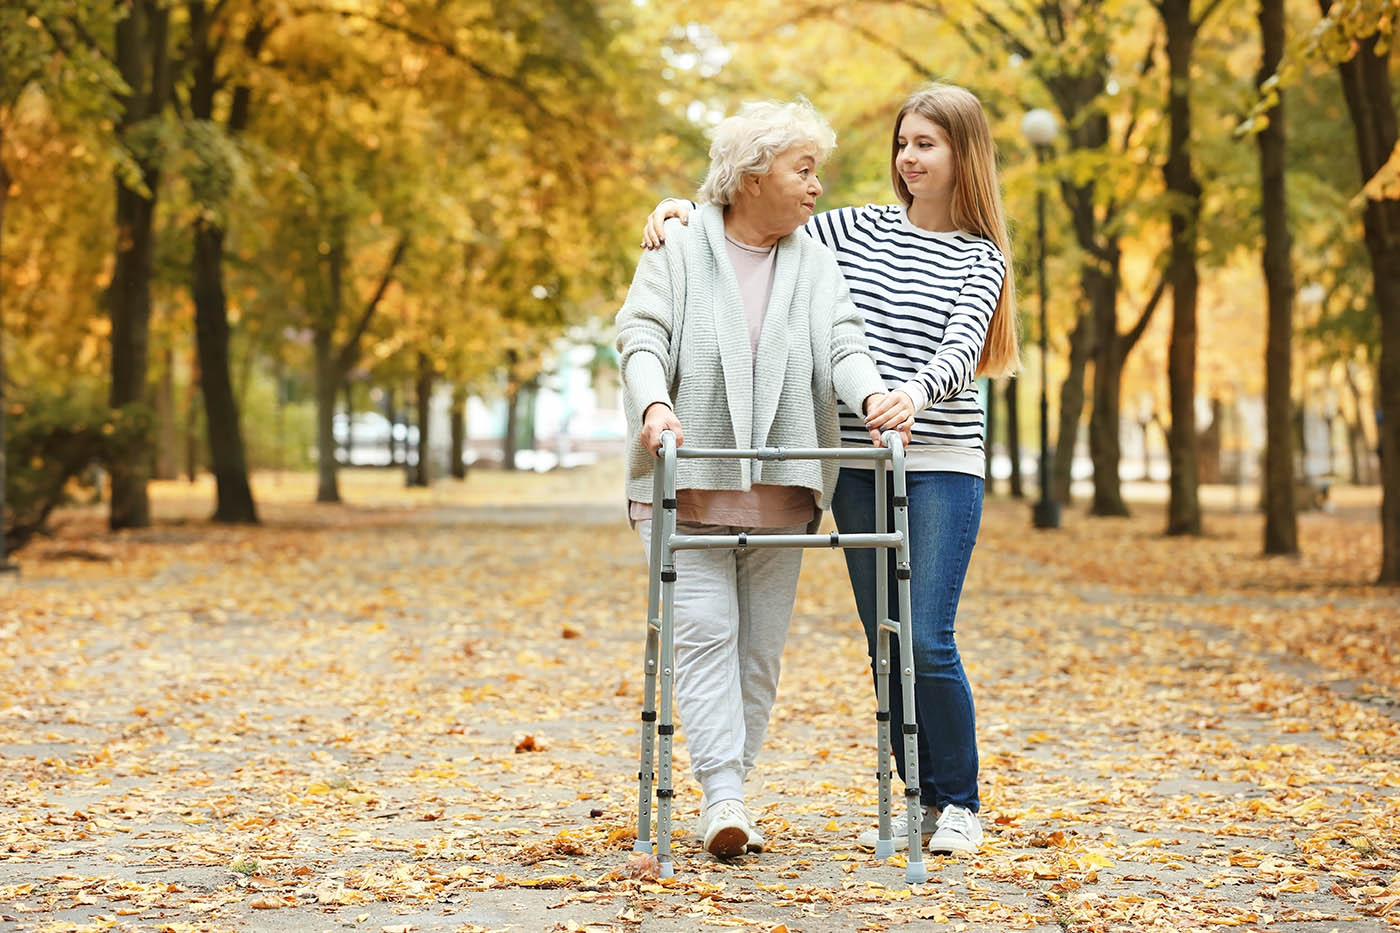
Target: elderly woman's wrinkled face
[{"x": 788, "y": 194}]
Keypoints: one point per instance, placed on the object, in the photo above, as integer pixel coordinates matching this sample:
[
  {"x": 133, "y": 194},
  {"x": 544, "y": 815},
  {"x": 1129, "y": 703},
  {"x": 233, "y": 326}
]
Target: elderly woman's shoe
[
  {"x": 756, "y": 840},
  {"x": 726, "y": 825}
]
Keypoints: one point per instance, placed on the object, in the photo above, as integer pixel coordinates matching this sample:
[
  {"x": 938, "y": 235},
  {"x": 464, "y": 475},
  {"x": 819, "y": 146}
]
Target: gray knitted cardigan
[{"x": 683, "y": 338}]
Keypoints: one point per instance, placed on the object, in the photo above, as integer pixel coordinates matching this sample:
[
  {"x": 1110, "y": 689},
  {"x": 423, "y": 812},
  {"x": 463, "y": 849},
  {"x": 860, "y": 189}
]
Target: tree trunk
[
  {"x": 423, "y": 393},
  {"x": 1280, "y": 507},
  {"x": 1208, "y": 445},
  {"x": 192, "y": 421},
  {"x": 329, "y": 377},
  {"x": 1081, "y": 347},
  {"x": 1105, "y": 445},
  {"x": 1183, "y": 506},
  {"x": 349, "y": 457},
  {"x": 391, "y": 416},
  {"x": 1360, "y": 450},
  {"x": 167, "y": 431},
  {"x": 327, "y": 388},
  {"x": 234, "y": 498},
  {"x": 129, "y": 303},
  {"x": 459, "y": 433},
  {"x": 4, "y": 408},
  {"x": 1077, "y": 92},
  {"x": 227, "y": 453},
  {"x": 1356, "y": 450},
  {"x": 1146, "y": 459},
  {"x": 334, "y": 364},
  {"x": 143, "y": 61},
  {"x": 509, "y": 442},
  {"x": 1013, "y": 438},
  {"x": 987, "y": 478},
  {"x": 1366, "y": 86}
]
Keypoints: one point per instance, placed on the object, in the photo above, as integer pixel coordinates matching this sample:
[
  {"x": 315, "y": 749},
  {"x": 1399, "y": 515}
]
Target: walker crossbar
[
  {"x": 660, "y": 646},
  {"x": 784, "y": 453},
  {"x": 738, "y": 542}
]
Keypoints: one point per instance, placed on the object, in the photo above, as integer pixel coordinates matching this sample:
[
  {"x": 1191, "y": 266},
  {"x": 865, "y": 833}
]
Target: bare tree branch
[
  {"x": 450, "y": 49},
  {"x": 350, "y": 353},
  {"x": 1211, "y": 7},
  {"x": 1128, "y": 340},
  {"x": 876, "y": 39}
]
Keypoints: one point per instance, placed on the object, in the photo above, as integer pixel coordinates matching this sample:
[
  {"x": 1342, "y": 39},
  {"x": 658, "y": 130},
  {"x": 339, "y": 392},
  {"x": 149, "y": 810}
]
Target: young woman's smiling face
[{"x": 925, "y": 159}]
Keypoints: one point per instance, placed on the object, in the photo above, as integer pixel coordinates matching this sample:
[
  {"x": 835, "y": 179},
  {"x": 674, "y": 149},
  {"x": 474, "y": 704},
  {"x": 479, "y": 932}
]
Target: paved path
[{"x": 322, "y": 727}]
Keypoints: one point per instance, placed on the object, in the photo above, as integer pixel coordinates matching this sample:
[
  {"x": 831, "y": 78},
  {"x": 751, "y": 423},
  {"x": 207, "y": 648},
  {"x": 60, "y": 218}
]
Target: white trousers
[{"x": 732, "y": 614}]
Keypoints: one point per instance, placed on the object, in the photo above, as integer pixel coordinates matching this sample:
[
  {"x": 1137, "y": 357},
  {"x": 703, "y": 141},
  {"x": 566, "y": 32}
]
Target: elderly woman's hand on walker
[{"x": 659, "y": 417}]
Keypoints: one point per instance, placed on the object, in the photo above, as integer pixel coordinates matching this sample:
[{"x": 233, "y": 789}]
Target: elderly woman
[{"x": 740, "y": 333}]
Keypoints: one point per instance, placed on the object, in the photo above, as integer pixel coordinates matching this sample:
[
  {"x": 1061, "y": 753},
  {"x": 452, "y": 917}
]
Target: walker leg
[
  {"x": 914, "y": 872},
  {"x": 665, "y": 793},
  {"x": 646, "y": 771},
  {"x": 664, "y": 790},
  {"x": 884, "y": 844}
]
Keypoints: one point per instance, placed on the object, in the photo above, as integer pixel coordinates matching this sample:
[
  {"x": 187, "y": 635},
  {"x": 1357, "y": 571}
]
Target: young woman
[{"x": 931, "y": 278}]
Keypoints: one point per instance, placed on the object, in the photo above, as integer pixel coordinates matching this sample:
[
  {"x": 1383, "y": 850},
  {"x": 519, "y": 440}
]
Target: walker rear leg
[
  {"x": 884, "y": 844},
  {"x": 665, "y": 793}
]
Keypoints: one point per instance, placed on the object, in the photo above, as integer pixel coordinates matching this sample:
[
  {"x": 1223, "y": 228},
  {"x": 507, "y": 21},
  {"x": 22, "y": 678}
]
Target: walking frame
[{"x": 660, "y": 648}]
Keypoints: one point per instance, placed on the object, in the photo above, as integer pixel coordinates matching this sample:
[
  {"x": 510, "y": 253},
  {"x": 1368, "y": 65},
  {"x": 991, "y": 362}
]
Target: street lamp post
[{"x": 1040, "y": 128}]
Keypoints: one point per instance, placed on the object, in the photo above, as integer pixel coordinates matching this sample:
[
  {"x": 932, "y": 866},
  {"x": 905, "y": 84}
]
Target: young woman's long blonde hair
[{"x": 976, "y": 206}]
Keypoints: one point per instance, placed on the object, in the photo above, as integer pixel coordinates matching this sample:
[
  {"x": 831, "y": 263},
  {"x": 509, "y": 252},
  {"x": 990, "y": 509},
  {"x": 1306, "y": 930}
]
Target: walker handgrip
[{"x": 668, "y": 445}]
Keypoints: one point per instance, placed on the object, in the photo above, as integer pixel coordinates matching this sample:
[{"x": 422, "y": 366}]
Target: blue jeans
[{"x": 945, "y": 510}]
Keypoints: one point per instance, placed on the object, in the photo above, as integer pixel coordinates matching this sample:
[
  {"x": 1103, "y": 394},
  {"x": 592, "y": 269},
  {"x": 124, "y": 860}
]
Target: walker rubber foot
[
  {"x": 668, "y": 869},
  {"x": 643, "y": 846},
  {"x": 916, "y": 873},
  {"x": 884, "y": 848}
]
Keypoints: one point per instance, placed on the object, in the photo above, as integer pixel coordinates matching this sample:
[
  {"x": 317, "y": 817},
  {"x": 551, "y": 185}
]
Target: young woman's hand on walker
[
  {"x": 658, "y": 418},
  {"x": 879, "y": 402},
  {"x": 893, "y": 411},
  {"x": 654, "y": 233}
]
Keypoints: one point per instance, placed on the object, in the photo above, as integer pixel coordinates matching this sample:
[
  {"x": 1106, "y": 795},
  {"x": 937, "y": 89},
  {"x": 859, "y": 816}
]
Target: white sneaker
[
  {"x": 958, "y": 832},
  {"x": 756, "y": 840},
  {"x": 726, "y": 826},
  {"x": 899, "y": 829}
]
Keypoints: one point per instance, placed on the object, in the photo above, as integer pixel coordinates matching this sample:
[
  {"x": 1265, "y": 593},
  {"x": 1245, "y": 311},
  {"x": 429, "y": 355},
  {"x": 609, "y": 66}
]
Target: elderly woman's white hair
[{"x": 748, "y": 142}]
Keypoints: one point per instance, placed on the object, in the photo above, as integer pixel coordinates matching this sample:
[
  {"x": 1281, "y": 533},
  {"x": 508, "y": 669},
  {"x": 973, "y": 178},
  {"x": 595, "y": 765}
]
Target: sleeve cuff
[
  {"x": 646, "y": 381},
  {"x": 915, "y": 390},
  {"x": 856, "y": 379}
]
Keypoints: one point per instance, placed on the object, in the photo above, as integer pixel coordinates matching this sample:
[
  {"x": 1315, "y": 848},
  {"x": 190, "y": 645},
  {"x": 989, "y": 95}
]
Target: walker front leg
[
  {"x": 646, "y": 770},
  {"x": 914, "y": 872}
]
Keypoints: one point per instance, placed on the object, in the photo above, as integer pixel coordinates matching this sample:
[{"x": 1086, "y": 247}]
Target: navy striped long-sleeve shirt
[{"x": 927, "y": 299}]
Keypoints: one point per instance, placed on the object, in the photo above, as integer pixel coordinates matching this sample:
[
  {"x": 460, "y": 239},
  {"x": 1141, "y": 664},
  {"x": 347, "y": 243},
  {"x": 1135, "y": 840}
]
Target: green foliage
[
  {"x": 53, "y": 439},
  {"x": 54, "y": 46},
  {"x": 279, "y": 437}
]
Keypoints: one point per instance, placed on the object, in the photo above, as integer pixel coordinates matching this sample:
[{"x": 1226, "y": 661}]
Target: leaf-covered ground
[{"x": 420, "y": 713}]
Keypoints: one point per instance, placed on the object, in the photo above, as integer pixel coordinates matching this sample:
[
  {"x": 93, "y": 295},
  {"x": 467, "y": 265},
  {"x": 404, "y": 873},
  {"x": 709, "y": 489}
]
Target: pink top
[{"x": 762, "y": 506}]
